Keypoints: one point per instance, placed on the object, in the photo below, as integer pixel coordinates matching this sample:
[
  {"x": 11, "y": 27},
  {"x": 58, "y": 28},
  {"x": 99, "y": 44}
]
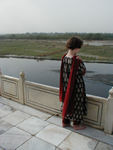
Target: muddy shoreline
[{"x": 48, "y": 58}]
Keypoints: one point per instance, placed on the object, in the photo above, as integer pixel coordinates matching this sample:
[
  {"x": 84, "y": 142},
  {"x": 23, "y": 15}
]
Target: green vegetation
[
  {"x": 59, "y": 36},
  {"x": 102, "y": 51},
  {"x": 53, "y": 49},
  {"x": 29, "y": 47}
]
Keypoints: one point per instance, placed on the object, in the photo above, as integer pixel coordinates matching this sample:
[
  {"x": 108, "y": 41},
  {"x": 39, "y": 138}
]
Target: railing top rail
[
  {"x": 42, "y": 86},
  {"x": 9, "y": 77},
  {"x": 97, "y": 97}
]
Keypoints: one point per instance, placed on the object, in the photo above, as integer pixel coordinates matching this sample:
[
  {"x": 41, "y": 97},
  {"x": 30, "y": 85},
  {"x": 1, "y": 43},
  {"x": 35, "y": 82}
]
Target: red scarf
[{"x": 70, "y": 87}]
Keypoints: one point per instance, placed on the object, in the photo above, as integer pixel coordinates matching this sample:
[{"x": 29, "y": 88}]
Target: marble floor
[{"x": 25, "y": 128}]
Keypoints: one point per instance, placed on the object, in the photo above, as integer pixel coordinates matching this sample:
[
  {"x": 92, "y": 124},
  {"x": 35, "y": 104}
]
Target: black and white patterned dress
[{"x": 78, "y": 105}]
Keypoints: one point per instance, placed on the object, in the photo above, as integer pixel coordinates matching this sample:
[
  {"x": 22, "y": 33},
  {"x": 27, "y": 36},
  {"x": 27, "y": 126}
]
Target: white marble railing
[{"x": 46, "y": 98}]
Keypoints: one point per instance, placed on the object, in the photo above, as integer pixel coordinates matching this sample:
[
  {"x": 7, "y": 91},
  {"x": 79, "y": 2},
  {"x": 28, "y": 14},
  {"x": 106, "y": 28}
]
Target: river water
[{"x": 98, "y": 79}]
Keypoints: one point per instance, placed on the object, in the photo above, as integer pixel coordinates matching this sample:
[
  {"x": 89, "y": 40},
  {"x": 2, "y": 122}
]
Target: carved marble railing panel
[
  {"x": 9, "y": 87},
  {"x": 12, "y": 88},
  {"x": 42, "y": 97},
  {"x": 96, "y": 111}
]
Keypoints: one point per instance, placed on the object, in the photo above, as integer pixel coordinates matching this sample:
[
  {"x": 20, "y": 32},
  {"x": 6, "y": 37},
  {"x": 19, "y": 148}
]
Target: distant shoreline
[{"x": 47, "y": 58}]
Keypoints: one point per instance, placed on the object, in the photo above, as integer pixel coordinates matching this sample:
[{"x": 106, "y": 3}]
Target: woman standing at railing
[{"x": 72, "y": 88}]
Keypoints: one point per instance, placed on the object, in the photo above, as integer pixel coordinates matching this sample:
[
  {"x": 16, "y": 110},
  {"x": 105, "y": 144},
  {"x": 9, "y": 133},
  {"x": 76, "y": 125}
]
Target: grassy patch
[
  {"x": 102, "y": 51},
  {"x": 53, "y": 49},
  {"x": 29, "y": 47}
]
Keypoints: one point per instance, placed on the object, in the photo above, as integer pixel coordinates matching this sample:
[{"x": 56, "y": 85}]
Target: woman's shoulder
[{"x": 79, "y": 59}]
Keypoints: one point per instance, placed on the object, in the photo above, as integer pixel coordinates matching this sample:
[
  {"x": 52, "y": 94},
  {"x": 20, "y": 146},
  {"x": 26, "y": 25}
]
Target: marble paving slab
[
  {"x": 4, "y": 126},
  {"x": 36, "y": 144},
  {"x": 13, "y": 138},
  {"x": 2, "y": 148},
  {"x": 3, "y": 100},
  {"x": 103, "y": 146},
  {"x": 96, "y": 134},
  {"x": 53, "y": 134},
  {"x": 2, "y": 113},
  {"x": 58, "y": 148},
  {"x": 5, "y": 107},
  {"x": 55, "y": 120},
  {"x": 33, "y": 125},
  {"x": 16, "y": 117},
  {"x": 36, "y": 113},
  {"x": 78, "y": 142},
  {"x": 26, "y": 109},
  {"x": 11, "y": 103},
  {"x": 5, "y": 110}
]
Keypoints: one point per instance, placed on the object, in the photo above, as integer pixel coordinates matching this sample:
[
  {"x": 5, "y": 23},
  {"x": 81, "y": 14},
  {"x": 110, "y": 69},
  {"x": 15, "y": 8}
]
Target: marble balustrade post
[
  {"x": 108, "y": 126},
  {"x": 21, "y": 87}
]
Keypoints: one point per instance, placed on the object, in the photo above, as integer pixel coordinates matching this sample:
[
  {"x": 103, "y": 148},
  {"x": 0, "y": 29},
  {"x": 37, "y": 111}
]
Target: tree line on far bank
[{"x": 58, "y": 36}]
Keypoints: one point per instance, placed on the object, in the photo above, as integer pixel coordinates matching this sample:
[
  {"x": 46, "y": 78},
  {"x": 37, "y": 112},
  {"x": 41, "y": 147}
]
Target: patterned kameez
[{"x": 73, "y": 99}]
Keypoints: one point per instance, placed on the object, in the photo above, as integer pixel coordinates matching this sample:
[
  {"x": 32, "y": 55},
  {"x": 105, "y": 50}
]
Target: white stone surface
[
  {"x": 2, "y": 113},
  {"x": 78, "y": 142},
  {"x": 4, "y": 100},
  {"x": 25, "y": 109},
  {"x": 11, "y": 103},
  {"x": 33, "y": 125},
  {"x": 4, "y": 126},
  {"x": 5, "y": 107},
  {"x": 36, "y": 144},
  {"x": 21, "y": 87},
  {"x": 36, "y": 113},
  {"x": 96, "y": 134},
  {"x": 108, "y": 126},
  {"x": 58, "y": 148},
  {"x": 9, "y": 87},
  {"x": 16, "y": 117},
  {"x": 13, "y": 138},
  {"x": 103, "y": 146},
  {"x": 47, "y": 136},
  {"x": 55, "y": 120},
  {"x": 53, "y": 134},
  {"x": 43, "y": 97},
  {"x": 1, "y": 148},
  {"x": 5, "y": 110}
]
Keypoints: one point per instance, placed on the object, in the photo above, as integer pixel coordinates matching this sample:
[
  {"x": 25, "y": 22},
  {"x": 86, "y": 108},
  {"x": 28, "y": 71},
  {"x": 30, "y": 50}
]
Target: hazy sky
[{"x": 20, "y": 16}]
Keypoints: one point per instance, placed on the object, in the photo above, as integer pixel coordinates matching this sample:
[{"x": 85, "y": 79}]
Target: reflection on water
[
  {"x": 98, "y": 79},
  {"x": 105, "y": 78}
]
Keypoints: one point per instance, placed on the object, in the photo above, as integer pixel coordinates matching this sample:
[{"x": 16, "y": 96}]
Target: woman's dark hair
[{"x": 73, "y": 43}]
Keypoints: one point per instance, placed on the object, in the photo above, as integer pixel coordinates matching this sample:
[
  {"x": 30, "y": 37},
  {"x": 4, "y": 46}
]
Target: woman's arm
[{"x": 82, "y": 68}]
